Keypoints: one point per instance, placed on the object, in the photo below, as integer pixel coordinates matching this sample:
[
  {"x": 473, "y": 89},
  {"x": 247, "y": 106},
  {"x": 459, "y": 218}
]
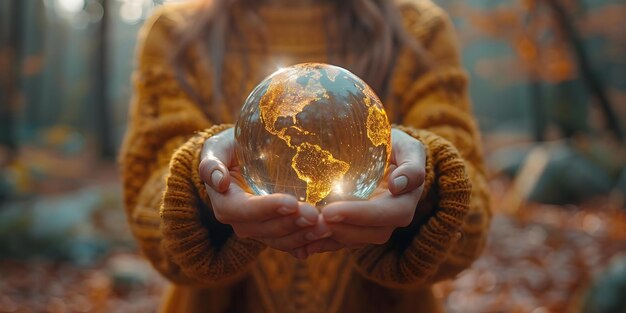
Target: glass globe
[{"x": 315, "y": 131}]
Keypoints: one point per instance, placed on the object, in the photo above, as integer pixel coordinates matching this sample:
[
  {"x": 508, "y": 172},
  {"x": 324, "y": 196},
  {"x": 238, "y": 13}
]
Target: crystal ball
[{"x": 315, "y": 131}]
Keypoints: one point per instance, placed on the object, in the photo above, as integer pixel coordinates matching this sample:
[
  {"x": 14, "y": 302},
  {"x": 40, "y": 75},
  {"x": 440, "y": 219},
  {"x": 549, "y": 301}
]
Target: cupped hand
[
  {"x": 277, "y": 220},
  {"x": 392, "y": 205}
]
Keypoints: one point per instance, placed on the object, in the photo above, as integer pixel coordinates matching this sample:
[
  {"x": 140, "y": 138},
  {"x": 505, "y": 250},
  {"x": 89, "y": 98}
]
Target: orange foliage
[
  {"x": 526, "y": 48},
  {"x": 541, "y": 52}
]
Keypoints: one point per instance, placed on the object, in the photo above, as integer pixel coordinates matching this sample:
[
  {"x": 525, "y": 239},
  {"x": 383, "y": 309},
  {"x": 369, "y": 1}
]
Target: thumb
[
  {"x": 217, "y": 156},
  {"x": 409, "y": 156}
]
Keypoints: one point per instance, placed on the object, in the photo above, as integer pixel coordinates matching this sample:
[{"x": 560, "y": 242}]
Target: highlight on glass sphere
[{"x": 315, "y": 131}]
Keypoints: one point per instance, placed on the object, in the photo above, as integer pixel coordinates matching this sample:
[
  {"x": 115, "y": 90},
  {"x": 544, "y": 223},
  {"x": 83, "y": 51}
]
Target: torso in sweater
[{"x": 222, "y": 273}]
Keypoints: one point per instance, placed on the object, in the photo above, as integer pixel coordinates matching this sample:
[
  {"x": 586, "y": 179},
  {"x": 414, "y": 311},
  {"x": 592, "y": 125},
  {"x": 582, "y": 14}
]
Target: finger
[
  {"x": 214, "y": 174},
  {"x": 356, "y": 235},
  {"x": 389, "y": 210},
  {"x": 410, "y": 158},
  {"x": 309, "y": 215},
  {"x": 305, "y": 216},
  {"x": 220, "y": 146},
  {"x": 236, "y": 188},
  {"x": 236, "y": 206},
  {"x": 272, "y": 228},
  {"x": 216, "y": 157},
  {"x": 299, "y": 238}
]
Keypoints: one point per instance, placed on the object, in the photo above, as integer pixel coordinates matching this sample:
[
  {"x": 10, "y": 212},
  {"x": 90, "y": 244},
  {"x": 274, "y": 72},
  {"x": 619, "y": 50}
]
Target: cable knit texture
[
  {"x": 209, "y": 254},
  {"x": 431, "y": 245},
  {"x": 211, "y": 269}
]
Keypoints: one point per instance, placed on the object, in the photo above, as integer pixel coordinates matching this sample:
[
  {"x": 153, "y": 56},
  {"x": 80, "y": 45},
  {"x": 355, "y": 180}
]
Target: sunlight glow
[
  {"x": 134, "y": 11},
  {"x": 338, "y": 187},
  {"x": 131, "y": 11},
  {"x": 69, "y": 6}
]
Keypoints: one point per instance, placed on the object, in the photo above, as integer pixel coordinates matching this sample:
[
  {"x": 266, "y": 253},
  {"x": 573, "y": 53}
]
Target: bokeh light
[{"x": 69, "y": 6}]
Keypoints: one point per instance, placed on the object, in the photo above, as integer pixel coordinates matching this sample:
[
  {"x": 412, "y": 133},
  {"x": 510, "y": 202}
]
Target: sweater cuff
[
  {"x": 203, "y": 247},
  {"x": 419, "y": 259}
]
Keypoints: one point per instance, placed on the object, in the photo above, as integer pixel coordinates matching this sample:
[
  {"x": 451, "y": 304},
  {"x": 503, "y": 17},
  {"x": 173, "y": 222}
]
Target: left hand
[{"x": 392, "y": 205}]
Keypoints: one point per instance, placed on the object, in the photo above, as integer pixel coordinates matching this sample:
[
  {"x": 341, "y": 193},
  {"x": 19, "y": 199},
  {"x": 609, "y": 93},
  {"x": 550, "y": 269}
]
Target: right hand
[{"x": 277, "y": 220}]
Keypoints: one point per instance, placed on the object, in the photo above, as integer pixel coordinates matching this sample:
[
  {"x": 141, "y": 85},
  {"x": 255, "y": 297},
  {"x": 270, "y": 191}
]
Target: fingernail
[
  {"x": 335, "y": 219},
  {"x": 303, "y": 222},
  {"x": 285, "y": 210},
  {"x": 400, "y": 182},
  {"x": 216, "y": 178}
]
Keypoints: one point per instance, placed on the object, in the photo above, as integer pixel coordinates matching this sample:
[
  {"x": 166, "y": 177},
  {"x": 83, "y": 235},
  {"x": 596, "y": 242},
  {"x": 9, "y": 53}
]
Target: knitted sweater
[{"x": 210, "y": 268}]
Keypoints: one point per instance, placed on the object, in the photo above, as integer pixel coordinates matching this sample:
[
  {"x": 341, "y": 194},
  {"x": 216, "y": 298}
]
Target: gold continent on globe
[{"x": 315, "y": 131}]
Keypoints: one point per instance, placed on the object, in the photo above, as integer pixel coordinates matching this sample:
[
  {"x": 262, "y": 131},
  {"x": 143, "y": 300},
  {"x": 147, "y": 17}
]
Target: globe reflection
[{"x": 315, "y": 131}]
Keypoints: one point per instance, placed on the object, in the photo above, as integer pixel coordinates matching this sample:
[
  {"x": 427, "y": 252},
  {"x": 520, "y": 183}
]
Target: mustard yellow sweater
[{"x": 212, "y": 270}]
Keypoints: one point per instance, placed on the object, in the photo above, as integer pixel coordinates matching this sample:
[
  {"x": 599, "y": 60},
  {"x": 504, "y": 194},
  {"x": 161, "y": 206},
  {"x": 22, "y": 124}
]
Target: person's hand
[
  {"x": 392, "y": 205},
  {"x": 277, "y": 220}
]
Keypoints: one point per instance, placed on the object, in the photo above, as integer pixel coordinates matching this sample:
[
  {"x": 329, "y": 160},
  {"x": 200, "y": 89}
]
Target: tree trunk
[
  {"x": 591, "y": 81},
  {"x": 102, "y": 111},
  {"x": 10, "y": 80}
]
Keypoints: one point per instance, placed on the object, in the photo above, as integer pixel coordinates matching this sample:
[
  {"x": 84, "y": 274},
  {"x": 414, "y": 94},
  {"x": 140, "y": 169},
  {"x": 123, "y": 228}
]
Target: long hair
[{"x": 371, "y": 33}]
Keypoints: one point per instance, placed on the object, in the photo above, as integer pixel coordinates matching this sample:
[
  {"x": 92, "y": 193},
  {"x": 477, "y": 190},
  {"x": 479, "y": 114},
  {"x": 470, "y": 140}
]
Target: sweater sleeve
[
  {"x": 167, "y": 207},
  {"x": 449, "y": 229}
]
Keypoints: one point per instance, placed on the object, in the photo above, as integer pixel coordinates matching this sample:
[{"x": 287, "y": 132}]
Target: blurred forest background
[{"x": 548, "y": 83}]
